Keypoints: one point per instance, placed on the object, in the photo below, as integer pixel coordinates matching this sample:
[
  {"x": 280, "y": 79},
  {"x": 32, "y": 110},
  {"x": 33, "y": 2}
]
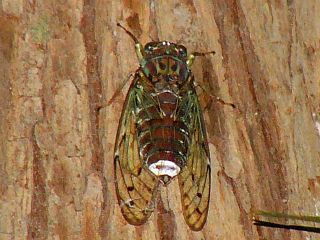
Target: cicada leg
[
  {"x": 215, "y": 98},
  {"x": 193, "y": 55},
  {"x": 116, "y": 93},
  {"x": 190, "y": 61},
  {"x": 120, "y": 88}
]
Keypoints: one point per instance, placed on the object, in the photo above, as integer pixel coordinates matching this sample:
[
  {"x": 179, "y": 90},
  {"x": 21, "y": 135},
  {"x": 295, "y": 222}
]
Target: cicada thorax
[{"x": 163, "y": 133}]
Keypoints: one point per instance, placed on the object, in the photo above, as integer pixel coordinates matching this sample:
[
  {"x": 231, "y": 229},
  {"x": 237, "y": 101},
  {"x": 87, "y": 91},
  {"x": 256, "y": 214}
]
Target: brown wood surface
[{"x": 59, "y": 60}]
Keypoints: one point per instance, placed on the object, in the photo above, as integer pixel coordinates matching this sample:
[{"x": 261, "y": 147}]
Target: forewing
[
  {"x": 136, "y": 187},
  {"x": 194, "y": 179}
]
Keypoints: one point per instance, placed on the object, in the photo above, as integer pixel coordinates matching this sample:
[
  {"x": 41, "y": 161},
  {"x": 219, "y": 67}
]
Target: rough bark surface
[{"x": 60, "y": 60}]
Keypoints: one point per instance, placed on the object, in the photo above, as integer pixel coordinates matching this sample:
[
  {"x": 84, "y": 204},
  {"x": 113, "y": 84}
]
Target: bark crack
[
  {"x": 95, "y": 92},
  {"x": 38, "y": 226}
]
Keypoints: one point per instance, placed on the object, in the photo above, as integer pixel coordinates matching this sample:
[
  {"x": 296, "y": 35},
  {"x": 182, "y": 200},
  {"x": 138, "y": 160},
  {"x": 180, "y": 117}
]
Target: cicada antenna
[
  {"x": 197, "y": 54},
  {"x": 138, "y": 45},
  {"x": 135, "y": 39},
  {"x": 193, "y": 55}
]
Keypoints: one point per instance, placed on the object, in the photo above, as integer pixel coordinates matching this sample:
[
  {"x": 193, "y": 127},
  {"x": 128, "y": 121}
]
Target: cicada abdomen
[{"x": 162, "y": 136}]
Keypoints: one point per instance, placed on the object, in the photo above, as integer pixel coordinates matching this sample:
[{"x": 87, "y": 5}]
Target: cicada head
[{"x": 165, "y": 62}]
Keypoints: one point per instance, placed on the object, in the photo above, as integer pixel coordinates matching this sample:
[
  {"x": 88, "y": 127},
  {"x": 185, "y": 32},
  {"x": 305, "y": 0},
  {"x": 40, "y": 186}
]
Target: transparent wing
[
  {"x": 136, "y": 187},
  {"x": 195, "y": 178}
]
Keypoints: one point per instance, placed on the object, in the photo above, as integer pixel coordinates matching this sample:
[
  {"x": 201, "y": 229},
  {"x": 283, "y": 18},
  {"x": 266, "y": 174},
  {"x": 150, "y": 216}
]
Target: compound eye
[
  {"x": 148, "y": 48},
  {"x": 182, "y": 51}
]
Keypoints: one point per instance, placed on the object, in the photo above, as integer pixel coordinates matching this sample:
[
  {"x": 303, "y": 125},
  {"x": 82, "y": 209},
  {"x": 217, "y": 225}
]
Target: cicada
[{"x": 162, "y": 136}]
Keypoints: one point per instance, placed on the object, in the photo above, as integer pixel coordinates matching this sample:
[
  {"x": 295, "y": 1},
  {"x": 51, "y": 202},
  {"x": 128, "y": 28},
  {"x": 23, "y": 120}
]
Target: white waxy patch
[{"x": 165, "y": 167}]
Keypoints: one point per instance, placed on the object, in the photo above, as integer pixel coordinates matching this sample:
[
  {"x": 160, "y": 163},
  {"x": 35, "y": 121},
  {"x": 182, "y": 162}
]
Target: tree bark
[{"x": 61, "y": 60}]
